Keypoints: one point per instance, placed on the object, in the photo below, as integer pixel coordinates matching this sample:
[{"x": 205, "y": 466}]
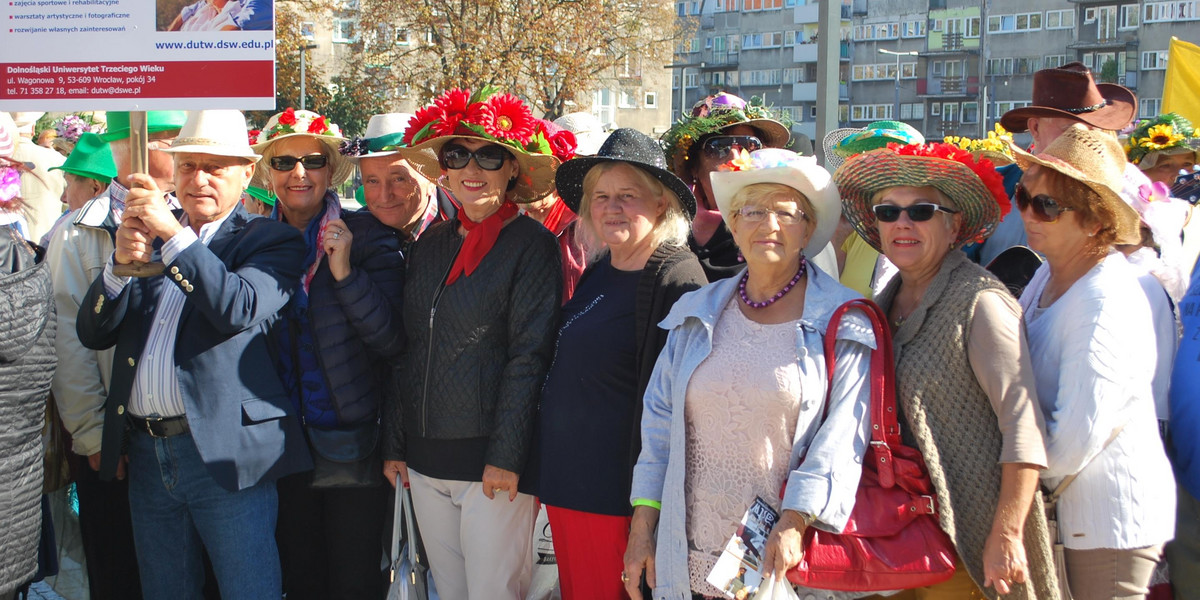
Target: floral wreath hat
[
  {"x": 972, "y": 184},
  {"x": 291, "y": 123},
  {"x": 502, "y": 119},
  {"x": 715, "y": 113},
  {"x": 1165, "y": 134},
  {"x": 996, "y": 147}
]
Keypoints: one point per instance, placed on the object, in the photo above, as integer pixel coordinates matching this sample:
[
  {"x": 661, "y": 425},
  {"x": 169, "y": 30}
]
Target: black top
[
  {"x": 588, "y": 403},
  {"x": 719, "y": 257}
]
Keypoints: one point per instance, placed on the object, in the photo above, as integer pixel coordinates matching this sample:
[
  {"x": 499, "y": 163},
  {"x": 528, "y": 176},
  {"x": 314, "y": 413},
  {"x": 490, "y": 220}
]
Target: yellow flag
[{"x": 1181, "y": 92}]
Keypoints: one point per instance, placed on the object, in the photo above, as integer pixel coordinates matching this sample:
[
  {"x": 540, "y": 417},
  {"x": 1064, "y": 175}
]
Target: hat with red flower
[
  {"x": 974, "y": 185},
  {"x": 501, "y": 119},
  {"x": 292, "y": 123}
]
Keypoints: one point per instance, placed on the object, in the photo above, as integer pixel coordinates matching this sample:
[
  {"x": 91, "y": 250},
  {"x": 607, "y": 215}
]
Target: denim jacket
[{"x": 824, "y": 485}]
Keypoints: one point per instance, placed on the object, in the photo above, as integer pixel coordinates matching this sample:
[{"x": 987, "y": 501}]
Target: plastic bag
[{"x": 776, "y": 589}]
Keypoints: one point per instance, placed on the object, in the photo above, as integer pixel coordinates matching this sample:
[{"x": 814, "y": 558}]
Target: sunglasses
[
  {"x": 1045, "y": 208},
  {"x": 721, "y": 147},
  {"x": 489, "y": 157},
  {"x": 920, "y": 212},
  {"x": 311, "y": 162}
]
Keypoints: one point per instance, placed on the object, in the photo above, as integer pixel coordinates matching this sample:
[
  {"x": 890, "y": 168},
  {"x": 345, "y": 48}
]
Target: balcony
[
  {"x": 719, "y": 61},
  {"x": 811, "y": 13},
  {"x": 941, "y": 44},
  {"x": 859, "y": 8},
  {"x": 948, "y": 87},
  {"x": 807, "y": 53},
  {"x": 804, "y": 91}
]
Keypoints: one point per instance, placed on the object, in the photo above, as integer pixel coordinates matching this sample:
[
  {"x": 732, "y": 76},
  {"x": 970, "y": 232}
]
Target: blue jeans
[{"x": 178, "y": 511}]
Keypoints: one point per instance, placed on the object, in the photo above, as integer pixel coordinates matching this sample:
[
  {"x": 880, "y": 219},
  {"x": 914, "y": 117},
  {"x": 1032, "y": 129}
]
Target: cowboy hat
[
  {"x": 627, "y": 146},
  {"x": 1094, "y": 159},
  {"x": 776, "y": 165},
  {"x": 384, "y": 135},
  {"x": 216, "y": 132},
  {"x": 293, "y": 123},
  {"x": 1069, "y": 92},
  {"x": 974, "y": 186}
]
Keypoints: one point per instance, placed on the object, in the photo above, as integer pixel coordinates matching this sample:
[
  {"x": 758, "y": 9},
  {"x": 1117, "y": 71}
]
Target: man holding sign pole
[{"x": 207, "y": 433}]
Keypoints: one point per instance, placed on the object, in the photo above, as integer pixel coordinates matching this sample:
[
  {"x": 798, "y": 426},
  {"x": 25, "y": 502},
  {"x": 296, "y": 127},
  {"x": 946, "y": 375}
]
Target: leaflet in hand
[{"x": 738, "y": 570}]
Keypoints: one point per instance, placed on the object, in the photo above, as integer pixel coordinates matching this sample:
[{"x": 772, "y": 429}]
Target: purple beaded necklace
[{"x": 773, "y": 299}]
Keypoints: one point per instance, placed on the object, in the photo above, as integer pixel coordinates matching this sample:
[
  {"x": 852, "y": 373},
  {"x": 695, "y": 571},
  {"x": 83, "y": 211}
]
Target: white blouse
[{"x": 1094, "y": 358}]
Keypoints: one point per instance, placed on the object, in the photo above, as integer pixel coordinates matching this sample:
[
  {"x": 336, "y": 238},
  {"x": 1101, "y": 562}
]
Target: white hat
[
  {"x": 384, "y": 131},
  {"x": 801, "y": 173},
  {"x": 26, "y": 120},
  {"x": 217, "y": 132},
  {"x": 589, "y": 131}
]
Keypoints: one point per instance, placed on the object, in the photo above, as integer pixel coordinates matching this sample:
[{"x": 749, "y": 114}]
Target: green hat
[
  {"x": 878, "y": 135},
  {"x": 1167, "y": 133},
  {"x": 156, "y": 120},
  {"x": 360, "y": 194},
  {"x": 261, "y": 195},
  {"x": 91, "y": 158}
]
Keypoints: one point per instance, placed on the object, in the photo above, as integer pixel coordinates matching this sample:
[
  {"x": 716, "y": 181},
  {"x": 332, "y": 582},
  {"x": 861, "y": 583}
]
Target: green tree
[
  {"x": 1108, "y": 71},
  {"x": 288, "y": 45}
]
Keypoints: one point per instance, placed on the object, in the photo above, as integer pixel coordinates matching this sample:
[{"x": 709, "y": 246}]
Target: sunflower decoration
[
  {"x": 1164, "y": 132},
  {"x": 996, "y": 147}
]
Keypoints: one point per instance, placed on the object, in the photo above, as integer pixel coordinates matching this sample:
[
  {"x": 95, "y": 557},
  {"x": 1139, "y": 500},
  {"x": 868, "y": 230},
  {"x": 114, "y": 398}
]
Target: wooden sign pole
[{"x": 139, "y": 147}]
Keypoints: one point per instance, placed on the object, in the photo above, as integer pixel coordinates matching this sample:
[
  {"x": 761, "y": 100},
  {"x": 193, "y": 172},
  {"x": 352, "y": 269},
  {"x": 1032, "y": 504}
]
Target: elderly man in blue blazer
[{"x": 195, "y": 408}]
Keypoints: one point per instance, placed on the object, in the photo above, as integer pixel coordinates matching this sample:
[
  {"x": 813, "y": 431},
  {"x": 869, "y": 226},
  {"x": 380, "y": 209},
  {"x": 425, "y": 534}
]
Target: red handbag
[{"x": 892, "y": 540}]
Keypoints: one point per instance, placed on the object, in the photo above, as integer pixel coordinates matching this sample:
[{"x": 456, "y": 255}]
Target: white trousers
[{"x": 477, "y": 548}]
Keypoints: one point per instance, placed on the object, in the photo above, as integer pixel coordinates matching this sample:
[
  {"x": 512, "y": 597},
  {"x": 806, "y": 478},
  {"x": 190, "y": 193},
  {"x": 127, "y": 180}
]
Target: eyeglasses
[
  {"x": 1045, "y": 208},
  {"x": 489, "y": 157},
  {"x": 920, "y": 212},
  {"x": 311, "y": 162},
  {"x": 754, "y": 214},
  {"x": 721, "y": 147}
]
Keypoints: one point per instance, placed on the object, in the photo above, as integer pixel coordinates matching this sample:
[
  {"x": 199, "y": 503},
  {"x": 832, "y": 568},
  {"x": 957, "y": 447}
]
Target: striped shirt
[{"x": 155, "y": 390}]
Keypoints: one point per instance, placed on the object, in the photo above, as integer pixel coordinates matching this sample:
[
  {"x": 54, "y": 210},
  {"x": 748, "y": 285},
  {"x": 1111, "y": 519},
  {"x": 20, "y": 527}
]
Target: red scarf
[
  {"x": 560, "y": 216},
  {"x": 480, "y": 239}
]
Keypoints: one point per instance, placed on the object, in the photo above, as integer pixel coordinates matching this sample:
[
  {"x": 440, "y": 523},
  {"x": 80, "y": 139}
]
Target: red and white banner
[{"x": 65, "y": 55}]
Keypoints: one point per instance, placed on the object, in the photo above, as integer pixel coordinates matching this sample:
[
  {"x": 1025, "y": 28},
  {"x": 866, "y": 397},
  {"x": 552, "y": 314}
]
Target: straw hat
[
  {"x": 1069, "y": 92},
  {"x": 830, "y": 141},
  {"x": 295, "y": 123},
  {"x": 627, "y": 146},
  {"x": 1167, "y": 134},
  {"x": 715, "y": 114},
  {"x": 1095, "y": 159},
  {"x": 384, "y": 135},
  {"x": 216, "y": 132},
  {"x": 91, "y": 158},
  {"x": 776, "y": 165},
  {"x": 877, "y": 135},
  {"x": 975, "y": 187},
  {"x": 500, "y": 119}
]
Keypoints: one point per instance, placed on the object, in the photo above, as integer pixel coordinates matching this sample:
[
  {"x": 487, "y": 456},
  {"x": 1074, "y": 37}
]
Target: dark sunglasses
[
  {"x": 1045, "y": 208},
  {"x": 311, "y": 162},
  {"x": 721, "y": 147},
  {"x": 923, "y": 211},
  {"x": 489, "y": 157}
]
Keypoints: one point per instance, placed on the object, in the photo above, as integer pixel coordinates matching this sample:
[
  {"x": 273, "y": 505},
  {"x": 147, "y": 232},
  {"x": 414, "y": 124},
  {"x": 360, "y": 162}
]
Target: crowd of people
[{"x": 627, "y": 332}]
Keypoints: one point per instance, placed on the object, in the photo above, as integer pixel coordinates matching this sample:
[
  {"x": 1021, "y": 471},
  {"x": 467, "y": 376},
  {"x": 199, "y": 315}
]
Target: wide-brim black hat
[{"x": 628, "y": 146}]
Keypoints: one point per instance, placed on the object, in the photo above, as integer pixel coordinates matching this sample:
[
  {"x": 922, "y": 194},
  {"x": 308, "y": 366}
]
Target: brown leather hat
[{"x": 1069, "y": 92}]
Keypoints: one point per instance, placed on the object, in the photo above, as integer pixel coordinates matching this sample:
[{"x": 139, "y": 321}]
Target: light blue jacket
[{"x": 825, "y": 484}]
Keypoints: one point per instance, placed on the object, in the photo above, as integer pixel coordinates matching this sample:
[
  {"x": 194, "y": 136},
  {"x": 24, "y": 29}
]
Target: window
[
  {"x": 1060, "y": 19},
  {"x": 935, "y": 109},
  {"x": 1158, "y": 12},
  {"x": 794, "y": 75},
  {"x": 307, "y": 30},
  {"x": 1015, "y": 23},
  {"x": 762, "y": 77},
  {"x": 1089, "y": 16},
  {"x": 883, "y": 71},
  {"x": 1000, "y": 66},
  {"x": 912, "y": 29},
  {"x": 1088, "y": 59},
  {"x": 970, "y": 112},
  {"x": 938, "y": 67},
  {"x": 950, "y": 111},
  {"x": 627, "y": 100},
  {"x": 972, "y": 27},
  {"x": 681, "y": 9},
  {"x": 650, "y": 100},
  {"x": 1106, "y": 22},
  {"x": 690, "y": 80},
  {"x": 870, "y": 112},
  {"x": 1054, "y": 61},
  {"x": 1003, "y": 107},
  {"x": 1148, "y": 108},
  {"x": 602, "y": 106},
  {"x": 1154, "y": 60},
  {"x": 1129, "y": 17},
  {"x": 343, "y": 30},
  {"x": 402, "y": 37},
  {"x": 908, "y": 70},
  {"x": 675, "y": 82},
  {"x": 812, "y": 111},
  {"x": 1026, "y": 66},
  {"x": 939, "y": 25}
]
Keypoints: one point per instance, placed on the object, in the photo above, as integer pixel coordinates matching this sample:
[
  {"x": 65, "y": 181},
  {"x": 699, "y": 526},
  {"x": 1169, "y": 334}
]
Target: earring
[{"x": 1092, "y": 234}]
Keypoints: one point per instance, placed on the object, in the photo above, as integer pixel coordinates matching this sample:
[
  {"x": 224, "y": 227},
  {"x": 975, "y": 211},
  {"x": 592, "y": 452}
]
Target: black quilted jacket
[
  {"x": 27, "y": 363},
  {"x": 477, "y": 350}
]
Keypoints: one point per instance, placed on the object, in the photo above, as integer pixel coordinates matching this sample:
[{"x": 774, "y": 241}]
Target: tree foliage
[
  {"x": 288, "y": 44},
  {"x": 549, "y": 52}
]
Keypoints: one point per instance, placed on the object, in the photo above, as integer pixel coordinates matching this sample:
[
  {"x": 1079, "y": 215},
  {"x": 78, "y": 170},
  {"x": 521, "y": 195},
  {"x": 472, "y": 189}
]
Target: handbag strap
[
  {"x": 410, "y": 523},
  {"x": 397, "y": 516},
  {"x": 885, "y": 427},
  {"x": 1069, "y": 479}
]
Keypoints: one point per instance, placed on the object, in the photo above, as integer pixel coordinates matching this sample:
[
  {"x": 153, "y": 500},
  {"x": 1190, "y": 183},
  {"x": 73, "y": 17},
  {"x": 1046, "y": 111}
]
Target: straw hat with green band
[
  {"x": 878, "y": 135},
  {"x": 1093, "y": 158},
  {"x": 384, "y": 135},
  {"x": 974, "y": 186},
  {"x": 1166, "y": 134},
  {"x": 156, "y": 121},
  {"x": 91, "y": 158},
  {"x": 262, "y": 195}
]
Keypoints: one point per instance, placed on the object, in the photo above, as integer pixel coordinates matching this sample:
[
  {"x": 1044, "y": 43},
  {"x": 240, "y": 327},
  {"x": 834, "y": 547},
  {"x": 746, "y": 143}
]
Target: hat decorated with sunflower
[
  {"x": 712, "y": 115},
  {"x": 293, "y": 123},
  {"x": 502, "y": 119},
  {"x": 972, "y": 184},
  {"x": 996, "y": 147},
  {"x": 1165, "y": 134}
]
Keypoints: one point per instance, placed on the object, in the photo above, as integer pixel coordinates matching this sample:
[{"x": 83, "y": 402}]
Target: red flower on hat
[
  {"x": 318, "y": 126},
  {"x": 288, "y": 117},
  {"x": 423, "y": 118},
  {"x": 253, "y": 134},
  {"x": 562, "y": 142},
  {"x": 983, "y": 168},
  {"x": 513, "y": 120}
]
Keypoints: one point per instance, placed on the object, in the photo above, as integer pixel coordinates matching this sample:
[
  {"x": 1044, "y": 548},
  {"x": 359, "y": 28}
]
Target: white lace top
[{"x": 742, "y": 405}]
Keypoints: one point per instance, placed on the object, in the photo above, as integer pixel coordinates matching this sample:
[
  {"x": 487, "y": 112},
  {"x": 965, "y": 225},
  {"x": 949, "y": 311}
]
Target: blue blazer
[{"x": 239, "y": 413}]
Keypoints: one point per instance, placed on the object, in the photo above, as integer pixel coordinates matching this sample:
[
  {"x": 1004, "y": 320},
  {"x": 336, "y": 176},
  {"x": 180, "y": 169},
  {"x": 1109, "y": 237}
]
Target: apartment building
[{"x": 947, "y": 67}]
